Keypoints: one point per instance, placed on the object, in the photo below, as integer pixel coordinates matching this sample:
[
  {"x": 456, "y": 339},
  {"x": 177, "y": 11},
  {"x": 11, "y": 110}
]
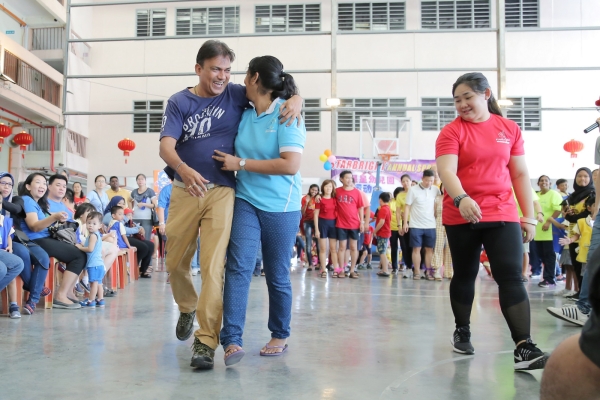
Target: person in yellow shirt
[
  {"x": 116, "y": 190},
  {"x": 582, "y": 232},
  {"x": 400, "y": 199},
  {"x": 395, "y": 238}
]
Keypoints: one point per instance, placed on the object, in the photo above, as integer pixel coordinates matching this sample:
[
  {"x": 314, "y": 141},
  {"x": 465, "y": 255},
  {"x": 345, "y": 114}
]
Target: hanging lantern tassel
[
  {"x": 126, "y": 146},
  {"x": 5, "y": 131},
  {"x": 23, "y": 139}
]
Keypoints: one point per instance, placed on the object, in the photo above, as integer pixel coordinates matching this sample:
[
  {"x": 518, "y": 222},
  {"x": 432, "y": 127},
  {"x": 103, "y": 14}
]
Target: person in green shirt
[{"x": 550, "y": 201}]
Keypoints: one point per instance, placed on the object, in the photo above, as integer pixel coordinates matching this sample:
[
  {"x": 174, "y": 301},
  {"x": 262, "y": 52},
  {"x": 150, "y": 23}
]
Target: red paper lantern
[
  {"x": 573, "y": 146},
  {"x": 23, "y": 139},
  {"x": 126, "y": 146},
  {"x": 5, "y": 131}
]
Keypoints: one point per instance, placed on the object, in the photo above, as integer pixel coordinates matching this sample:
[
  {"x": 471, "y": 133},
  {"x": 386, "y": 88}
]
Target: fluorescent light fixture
[
  {"x": 333, "y": 102},
  {"x": 505, "y": 103}
]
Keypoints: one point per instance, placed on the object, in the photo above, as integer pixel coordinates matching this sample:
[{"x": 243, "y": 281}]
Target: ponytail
[
  {"x": 288, "y": 87},
  {"x": 272, "y": 78},
  {"x": 493, "y": 106}
]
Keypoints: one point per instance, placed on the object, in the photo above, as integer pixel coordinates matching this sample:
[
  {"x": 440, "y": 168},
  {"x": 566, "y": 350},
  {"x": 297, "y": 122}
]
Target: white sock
[{"x": 85, "y": 280}]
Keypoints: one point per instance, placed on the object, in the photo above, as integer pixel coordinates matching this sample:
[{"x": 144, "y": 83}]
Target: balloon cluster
[{"x": 328, "y": 159}]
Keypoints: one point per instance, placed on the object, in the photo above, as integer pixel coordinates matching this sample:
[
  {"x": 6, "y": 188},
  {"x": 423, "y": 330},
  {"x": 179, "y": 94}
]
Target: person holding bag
[{"x": 98, "y": 198}]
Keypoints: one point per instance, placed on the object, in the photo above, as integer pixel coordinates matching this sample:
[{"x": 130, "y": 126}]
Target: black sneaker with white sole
[
  {"x": 528, "y": 357},
  {"x": 203, "y": 357},
  {"x": 461, "y": 341},
  {"x": 185, "y": 325}
]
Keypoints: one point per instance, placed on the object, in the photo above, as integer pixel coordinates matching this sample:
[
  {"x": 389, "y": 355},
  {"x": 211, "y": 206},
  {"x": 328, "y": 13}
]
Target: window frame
[
  {"x": 152, "y": 121},
  {"x": 284, "y": 26},
  {"x": 509, "y": 9},
  {"x": 520, "y": 114},
  {"x": 454, "y": 12},
  {"x": 150, "y": 21},
  {"x": 442, "y": 117},
  {"x": 207, "y": 24},
  {"x": 400, "y": 14},
  {"x": 312, "y": 119},
  {"x": 353, "y": 117}
]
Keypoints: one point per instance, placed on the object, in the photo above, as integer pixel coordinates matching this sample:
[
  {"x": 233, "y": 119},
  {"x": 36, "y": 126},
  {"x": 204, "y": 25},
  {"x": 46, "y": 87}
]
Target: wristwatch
[
  {"x": 243, "y": 164},
  {"x": 457, "y": 199}
]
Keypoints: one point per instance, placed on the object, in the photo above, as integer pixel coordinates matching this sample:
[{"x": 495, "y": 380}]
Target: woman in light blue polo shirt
[{"x": 267, "y": 206}]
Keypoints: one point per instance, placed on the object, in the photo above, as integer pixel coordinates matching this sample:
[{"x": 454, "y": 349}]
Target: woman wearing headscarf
[
  {"x": 22, "y": 247},
  {"x": 574, "y": 209}
]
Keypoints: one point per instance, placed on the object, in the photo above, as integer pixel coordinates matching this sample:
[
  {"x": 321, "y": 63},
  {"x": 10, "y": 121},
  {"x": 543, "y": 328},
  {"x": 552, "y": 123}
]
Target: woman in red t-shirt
[
  {"x": 79, "y": 195},
  {"x": 308, "y": 212},
  {"x": 480, "y": 157},
  {"x": 324, "y": 221}
]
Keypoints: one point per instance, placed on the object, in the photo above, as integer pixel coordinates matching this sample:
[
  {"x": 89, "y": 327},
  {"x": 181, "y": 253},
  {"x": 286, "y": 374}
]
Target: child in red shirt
[
  {"x": 324, "y": 220},
  {"x": 308, "y": 209},
  {"x": 383, "y": 232},
  {"x": 349, "y": 223},
  {"x": 365, "y": 251}
]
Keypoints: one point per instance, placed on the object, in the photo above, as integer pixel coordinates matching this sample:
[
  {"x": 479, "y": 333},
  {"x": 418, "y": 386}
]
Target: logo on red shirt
[{"x": 502, "y": 138}]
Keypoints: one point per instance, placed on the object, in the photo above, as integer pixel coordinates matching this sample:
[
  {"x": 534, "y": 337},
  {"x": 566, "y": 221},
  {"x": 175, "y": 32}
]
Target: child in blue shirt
[
  {"x": 117, "y": 225},
  {"x": 95, "y": 264}
]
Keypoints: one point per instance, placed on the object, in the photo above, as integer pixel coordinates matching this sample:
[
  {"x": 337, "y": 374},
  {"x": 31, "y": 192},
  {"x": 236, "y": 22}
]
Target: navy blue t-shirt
[{"x": 202, "y": 125}]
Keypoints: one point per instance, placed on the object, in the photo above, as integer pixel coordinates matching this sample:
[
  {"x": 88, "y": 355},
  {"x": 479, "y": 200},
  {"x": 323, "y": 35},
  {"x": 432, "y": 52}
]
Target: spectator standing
[
  {"x": 383, "y": 231},
  {"x": 550, "y": 201},
  {"x": 79, "y": 195},
  {"x": 115, "y": 189},
  {"x": 97, "y": 197}
]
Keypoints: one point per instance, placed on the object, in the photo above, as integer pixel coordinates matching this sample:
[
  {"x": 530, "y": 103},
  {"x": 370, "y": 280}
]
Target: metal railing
[
  {"x": 48, "y": 39},
  {"x": 31, "y": 79},
  {"x": 76, "y": 143}
]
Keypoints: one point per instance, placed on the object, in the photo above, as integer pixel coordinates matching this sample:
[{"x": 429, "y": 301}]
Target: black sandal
[{"x": 147, "y": 276}]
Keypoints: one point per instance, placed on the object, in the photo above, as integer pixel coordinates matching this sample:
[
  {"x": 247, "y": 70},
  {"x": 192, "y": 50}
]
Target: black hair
[
  {"x": 591, "y": 200},
  {"x": 70, "y": 195},
  {"x": 405, "y": 176},
  {"x": 23, "y": 191},
  {"x": 385, "y": 197},
  {"x": 560, "y": 181},
  {"x": 82, "y": 209},
  {"x": 214, "y": 48},
  {"x": 543, "y": 176},
  {"x": 99, "y": 176},
  {"x": 314, "y": 185},
  {"x": 57, "y": 176},
  {"x": 344, "y": 173},
  {"x": 272, "y": 78},
  {"x": 428, "y": 172},
  {"x": 111, "y": 178},
  {"x": 138, "y": 175},
  {"x": 398, "y": 190},
  {"x": 82, "y": 195},
  {"x": 478, "y": 83},
  {"x": 114, "y": 209},
  {"x": 94, "y": 214}
]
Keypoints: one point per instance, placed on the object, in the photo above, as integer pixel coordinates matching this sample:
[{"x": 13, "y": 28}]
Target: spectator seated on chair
[
  {"x": 116, "y": 225},
  {"x": 10, "y": 265}
]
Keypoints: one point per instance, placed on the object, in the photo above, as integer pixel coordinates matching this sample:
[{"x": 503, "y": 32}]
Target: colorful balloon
[
  {"x": 327, "y": 165},
  {"x": 332, "y": 159},
  {"x": 327, "y": 152},
  {"x": 323, "y": 157}
]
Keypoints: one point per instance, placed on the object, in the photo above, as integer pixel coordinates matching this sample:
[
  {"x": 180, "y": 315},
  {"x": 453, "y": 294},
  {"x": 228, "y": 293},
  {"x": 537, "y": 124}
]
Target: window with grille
[
  {"x": 371, "y": 16},
  {"x": 435, "y": 120},
  {"x": 455, "y": 14},
  {"x": 528, "y": 120},
  {"x": 312, "y": 119},
  {"x": 350, "y": 120},
  {"x": 207, "y": 21},
  {"x": 288, "y": 18},
  {"x": 151, "y": 23},
  {"x": 143, "y": 123},
  {"x": 521, "y": 13}
]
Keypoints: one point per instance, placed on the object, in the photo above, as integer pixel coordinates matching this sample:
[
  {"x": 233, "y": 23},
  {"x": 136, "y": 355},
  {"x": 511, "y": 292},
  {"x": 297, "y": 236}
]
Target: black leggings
[
  {"x": 504, "y": 247},
  {"x": 394, "y": 247},
  {"x": 145, "y": 248},
  {"x": 576, "y": 264},
  {"x": 406, "y": 250},
  {"x": 65, "y": 252}
]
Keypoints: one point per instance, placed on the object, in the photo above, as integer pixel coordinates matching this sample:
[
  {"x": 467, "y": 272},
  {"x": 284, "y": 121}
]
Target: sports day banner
[{"x": 365, "y": 172}]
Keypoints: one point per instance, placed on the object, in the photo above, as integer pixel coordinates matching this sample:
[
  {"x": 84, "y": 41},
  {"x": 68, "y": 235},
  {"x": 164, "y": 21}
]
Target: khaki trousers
[{"x": 213, "y": 214}]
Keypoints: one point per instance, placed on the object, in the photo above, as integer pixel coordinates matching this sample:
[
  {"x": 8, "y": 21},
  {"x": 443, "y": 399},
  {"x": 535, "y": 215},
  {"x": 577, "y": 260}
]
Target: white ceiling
[{"x": 30, "y": 11}]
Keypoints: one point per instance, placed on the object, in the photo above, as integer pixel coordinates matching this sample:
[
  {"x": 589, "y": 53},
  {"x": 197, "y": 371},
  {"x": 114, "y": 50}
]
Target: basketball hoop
[{"x": 387, "y": 156}]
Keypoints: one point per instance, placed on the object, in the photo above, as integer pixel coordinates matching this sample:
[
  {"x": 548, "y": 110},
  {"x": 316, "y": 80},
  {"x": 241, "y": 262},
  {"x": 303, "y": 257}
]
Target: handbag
[
  {"x": 64, "y": 232},
  {"x": 138, "y": 235}
]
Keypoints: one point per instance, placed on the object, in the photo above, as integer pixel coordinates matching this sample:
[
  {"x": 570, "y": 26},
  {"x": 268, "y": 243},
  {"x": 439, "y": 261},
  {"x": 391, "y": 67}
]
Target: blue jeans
[
  {"x": 11, "y": 266},
  {"x": 259, "y": 260},
  {"x": 276, "y": 232},
  {"x": 584, "y": 292},
  {"x": 33, "y": 279}
]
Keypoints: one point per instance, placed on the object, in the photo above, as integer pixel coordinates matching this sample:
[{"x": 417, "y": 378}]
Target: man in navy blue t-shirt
[{"x": 196, "y": 122}]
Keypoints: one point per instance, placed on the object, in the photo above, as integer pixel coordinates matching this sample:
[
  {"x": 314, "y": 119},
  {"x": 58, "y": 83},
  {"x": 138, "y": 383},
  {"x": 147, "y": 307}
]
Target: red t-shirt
[
  {"x": 347, "y": 205},
  {"x": 369, "y": 236},
  {"x": 79, "y": 200},
  {"x": 484, "y": 151},
  {"x": 309, "y": 213},
  {"x": 326, "y": 208},
  {"x": 384, "y": 214}
]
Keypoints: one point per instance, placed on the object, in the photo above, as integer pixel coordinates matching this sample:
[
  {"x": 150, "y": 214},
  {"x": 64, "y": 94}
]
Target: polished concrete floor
[{"x": 371, "y": 338}]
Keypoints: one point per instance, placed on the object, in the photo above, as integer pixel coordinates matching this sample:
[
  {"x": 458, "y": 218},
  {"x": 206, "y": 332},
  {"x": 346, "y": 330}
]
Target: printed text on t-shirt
[{"x": 198, "y": 126}]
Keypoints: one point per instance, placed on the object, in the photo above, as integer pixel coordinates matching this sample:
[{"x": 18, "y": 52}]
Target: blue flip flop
[
  {"x": 274, "y": 347},
  {"x": 234, "y": 357}
]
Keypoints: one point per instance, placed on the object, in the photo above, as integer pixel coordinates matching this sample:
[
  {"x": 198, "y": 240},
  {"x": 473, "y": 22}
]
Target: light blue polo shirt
[
  {"x": 262, "y": 137},
  {"x": 31, "y": 206}
]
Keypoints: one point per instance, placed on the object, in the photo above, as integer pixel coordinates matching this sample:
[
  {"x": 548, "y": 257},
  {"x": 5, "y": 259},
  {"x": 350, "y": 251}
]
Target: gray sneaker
[
  {"x": 185, "y": 325},
  {"x": 461, "y": 341},
  {"x": 361, "y": 267},
  {"x": 203, "y": 357},
  {"x": 13, "y": 312}
]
